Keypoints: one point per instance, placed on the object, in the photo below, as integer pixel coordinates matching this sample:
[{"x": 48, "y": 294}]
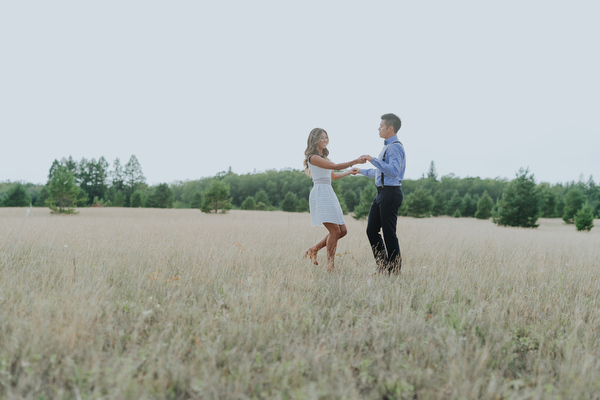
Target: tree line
[{"x": 94, "y": 183}]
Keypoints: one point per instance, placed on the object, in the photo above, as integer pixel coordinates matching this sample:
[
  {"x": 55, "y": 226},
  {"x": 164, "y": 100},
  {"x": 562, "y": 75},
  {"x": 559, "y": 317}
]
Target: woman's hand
[{"x": 355, "y": 171}]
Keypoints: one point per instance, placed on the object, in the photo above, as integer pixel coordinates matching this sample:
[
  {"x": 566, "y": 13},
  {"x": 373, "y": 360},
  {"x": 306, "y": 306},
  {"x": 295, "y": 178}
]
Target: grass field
[{"x": 140, "y": 303}]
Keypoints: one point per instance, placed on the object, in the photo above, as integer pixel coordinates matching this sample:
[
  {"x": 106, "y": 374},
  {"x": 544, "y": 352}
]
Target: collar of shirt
[{"x": 391, "y": 140}]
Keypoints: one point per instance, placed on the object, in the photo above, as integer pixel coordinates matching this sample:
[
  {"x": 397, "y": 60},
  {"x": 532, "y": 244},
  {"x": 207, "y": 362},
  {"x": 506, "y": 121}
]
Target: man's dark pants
[{"x": 384, "y": 215}]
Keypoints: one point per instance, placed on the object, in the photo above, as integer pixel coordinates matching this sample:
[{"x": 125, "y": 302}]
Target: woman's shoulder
[{"x": 312, "y": 155}]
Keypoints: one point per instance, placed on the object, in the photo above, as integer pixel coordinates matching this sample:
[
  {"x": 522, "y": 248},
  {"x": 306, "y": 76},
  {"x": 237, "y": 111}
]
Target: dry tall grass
[{"x": 134, "y": 303}]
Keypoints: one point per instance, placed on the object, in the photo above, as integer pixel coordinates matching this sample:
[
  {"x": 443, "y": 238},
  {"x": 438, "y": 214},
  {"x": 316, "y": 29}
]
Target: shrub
[
  {"x": 249, "y": 203},
  {"x": 584, "y": 218}
]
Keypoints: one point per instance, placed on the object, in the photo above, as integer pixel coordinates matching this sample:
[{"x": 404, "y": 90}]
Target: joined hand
[
  {"x": 366, "y": 157},
  {"x": 354, "y": 171}
]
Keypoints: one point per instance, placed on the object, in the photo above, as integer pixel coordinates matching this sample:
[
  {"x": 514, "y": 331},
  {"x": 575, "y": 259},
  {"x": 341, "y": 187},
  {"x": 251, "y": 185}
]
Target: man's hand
[
  {"x": 355, "y": 171},
  {"x": 367, "y": 157}
]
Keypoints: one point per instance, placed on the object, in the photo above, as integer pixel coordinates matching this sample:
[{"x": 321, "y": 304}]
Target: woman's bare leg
[
  {"x": 323, "y": 242},
  {"x": 312, "y": 251},
  {"x": 332, "y": 239}
]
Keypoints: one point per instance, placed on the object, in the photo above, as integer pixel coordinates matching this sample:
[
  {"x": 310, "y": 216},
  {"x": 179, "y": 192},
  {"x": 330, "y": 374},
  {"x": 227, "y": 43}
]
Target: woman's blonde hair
[{"x": 311, "y": 147}]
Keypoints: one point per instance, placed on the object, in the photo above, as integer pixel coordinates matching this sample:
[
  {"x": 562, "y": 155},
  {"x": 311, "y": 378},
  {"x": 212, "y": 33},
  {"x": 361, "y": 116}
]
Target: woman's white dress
[{"x": 323, "y": 203}]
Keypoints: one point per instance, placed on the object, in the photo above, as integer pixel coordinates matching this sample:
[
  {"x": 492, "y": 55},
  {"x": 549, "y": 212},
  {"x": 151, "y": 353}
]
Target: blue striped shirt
[{"x": 393, "y": 167}]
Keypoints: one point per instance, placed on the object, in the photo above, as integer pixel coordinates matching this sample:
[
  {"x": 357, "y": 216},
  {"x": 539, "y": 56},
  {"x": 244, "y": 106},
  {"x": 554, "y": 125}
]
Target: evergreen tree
[
  {"x": 484, "y": 206},
  {"x": 53, "y": 168},
  {"x": 432, "y": 173},
  {"x": 117, "y": 175},
  {"x": 350, "y": 199},
  {"x": 83, "y": 176},
  {"x": 262, "y": 197},
  {"x": 64, "y": 194},
  {"x": 519, "y": 205},
  {"x": 98, "y": 171},
  {"x": 574, "y": 200},
  {"x": 119, "y": 200},
  {"x": 303, "y": 205},
  {"x": 420, "y": 203},
  {"x": 162, "y": 197},
  {"x": 457, "y": 214},
  {"x": 456, "y": 203},
  {"x": 290, "y": 202},
  {"x": 470, "y": 203},
  {"x": 366, "y": 199},
  {"x": 216, "y": 197},
  {"x": 548, "y": 201},
  {"x": 17, "y": 197},
  {"x": 584, "y": 218},
  {"x": 439, "y": 204},
  {"x": 249, "y": 203},
  {"x": 197, "y": 200},
  {"x": 560, "y": 206},
  {"x": 70, "y": 164},
  {"x": 134, "y": 176},
  {"x": 593, "y": 196},
  {"x": 137, "y": 199}
]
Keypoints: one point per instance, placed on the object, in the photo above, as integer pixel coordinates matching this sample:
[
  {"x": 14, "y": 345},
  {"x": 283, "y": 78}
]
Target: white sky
[{"x": 193, "y": 87}]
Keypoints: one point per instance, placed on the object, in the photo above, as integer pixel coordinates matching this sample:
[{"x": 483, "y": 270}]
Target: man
[{"x": 383, "y": 215}]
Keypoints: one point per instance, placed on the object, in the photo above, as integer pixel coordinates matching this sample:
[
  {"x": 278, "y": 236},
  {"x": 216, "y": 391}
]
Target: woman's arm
[
  {"x": 338, "y": 175},
  {"x": 323, "y": 163}
]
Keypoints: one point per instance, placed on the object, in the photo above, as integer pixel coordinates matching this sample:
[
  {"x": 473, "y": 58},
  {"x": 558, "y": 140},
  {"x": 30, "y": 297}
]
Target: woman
[{"x": 324, "y": 206}]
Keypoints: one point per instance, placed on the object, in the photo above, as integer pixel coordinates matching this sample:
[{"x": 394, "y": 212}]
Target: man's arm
[
  {"x": 369, "y": 173},
  {"x": 392, "y": 166}
]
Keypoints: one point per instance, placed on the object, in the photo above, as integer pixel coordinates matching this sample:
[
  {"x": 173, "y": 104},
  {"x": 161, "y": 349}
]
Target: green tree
[
  {"x": 119, "y": 199},
  {"x": 457, "y": 213},
  {"x": 118, "y": 177},
  {"x": 350, "y": 199},
  {"x": 133, "y": 176},
  {"x": 366, "y": 198},
  {"x": 439, "y": 204},
  {"x": 249, "y": 203},
  {"x": 456, "y": 203},
  {"x": 17, "y": 197},
  {"x": 303, "y": 205},
  {"x": 470, "y": 205},
  {"x": 420, "y": 202},
  {"x": 63, "y": 192},
  {"x": 432, "y": 173},
  {"x": 548, "y": 201},
  {"x": 260, "y": 206},
  {"x": 584, "y": 218},
  {"x": 216, "y": 197},
  {"x": 196, "y": 200},
  {"x": 161, "y": 197},
  {"x": 262, "y": 197},
  {"x": 519, "y": 205},
  {"x": 137, "y": 199},
  {"x": 574, "y": 200},
  {"x": 290, "y": 202},
  {"x": 484, "y": 206}
]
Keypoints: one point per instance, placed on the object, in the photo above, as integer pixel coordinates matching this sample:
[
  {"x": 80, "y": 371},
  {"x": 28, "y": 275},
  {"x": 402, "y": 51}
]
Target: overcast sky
[{"x": 195, "y": 87}]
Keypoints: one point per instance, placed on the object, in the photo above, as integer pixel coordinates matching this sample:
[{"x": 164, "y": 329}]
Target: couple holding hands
[{"x": 325, "y": 208}]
